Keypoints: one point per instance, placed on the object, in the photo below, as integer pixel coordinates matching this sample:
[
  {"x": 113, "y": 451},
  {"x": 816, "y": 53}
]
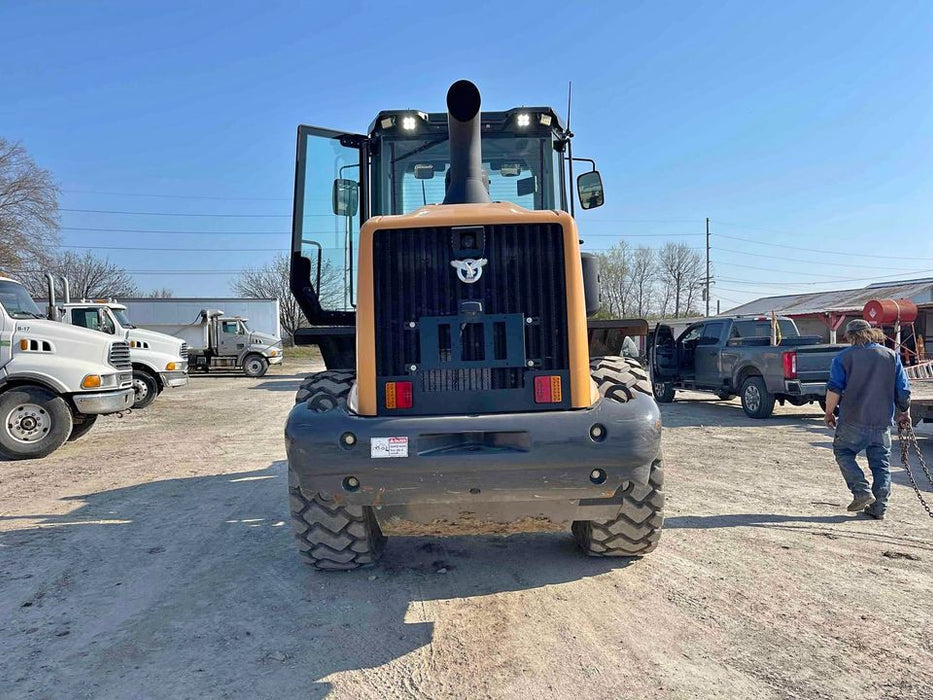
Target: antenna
[{"x": 569, "y": 144}]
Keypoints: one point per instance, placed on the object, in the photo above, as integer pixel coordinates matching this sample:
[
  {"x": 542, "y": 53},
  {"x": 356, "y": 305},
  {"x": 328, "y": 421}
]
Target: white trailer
[{"x": 172, "y": 315}]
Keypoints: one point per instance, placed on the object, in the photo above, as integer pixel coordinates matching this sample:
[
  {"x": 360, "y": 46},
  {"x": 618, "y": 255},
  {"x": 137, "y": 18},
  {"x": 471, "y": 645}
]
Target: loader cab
[{"x": 400, "y": 166}]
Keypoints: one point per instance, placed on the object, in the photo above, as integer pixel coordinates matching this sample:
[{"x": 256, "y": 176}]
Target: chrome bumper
[
  {"x": 174, "y": 378},
  {"x": 277, "y": 360},
  {"x": 103, "y": 402}
]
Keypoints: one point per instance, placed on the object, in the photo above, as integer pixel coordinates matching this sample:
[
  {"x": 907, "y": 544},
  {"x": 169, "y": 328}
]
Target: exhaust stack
[
  {"x": 51, "y": 310},
  {"x": 467, "y": 184},
  {"x": 66, "y": 291}
]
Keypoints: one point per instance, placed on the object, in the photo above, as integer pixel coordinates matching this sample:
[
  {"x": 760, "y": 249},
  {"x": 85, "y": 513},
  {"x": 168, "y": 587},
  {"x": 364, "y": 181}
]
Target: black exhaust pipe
[{"x": 466, "y": 184}]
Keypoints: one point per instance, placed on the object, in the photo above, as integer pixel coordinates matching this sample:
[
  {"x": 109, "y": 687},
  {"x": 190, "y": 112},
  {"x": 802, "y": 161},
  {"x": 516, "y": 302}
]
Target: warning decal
[{"x": 381, "y": 448}]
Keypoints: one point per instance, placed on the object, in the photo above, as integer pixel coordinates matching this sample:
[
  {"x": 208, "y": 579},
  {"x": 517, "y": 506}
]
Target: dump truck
[
  {"x": 438, "y": 262},
  {"x": 54, "y": 379},
  {"x": 159, "y": 361},
  {"x": 218, "y": 341}
]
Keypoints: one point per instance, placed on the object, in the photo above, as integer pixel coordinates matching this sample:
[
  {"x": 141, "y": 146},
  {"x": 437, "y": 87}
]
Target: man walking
[{"x": 867, "y": 381}]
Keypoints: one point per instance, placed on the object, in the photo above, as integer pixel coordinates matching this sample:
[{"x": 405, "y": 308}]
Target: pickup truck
[{"x": 735, "y": 356}]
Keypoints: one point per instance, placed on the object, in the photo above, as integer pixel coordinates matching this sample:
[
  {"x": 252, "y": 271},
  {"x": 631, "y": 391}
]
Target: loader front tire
[
  {"x": 637, "y": 528},
  {"x": 333, "y": 536},
  {"x": 619, "y": 378},
  {"x": 324, "y": 390}
]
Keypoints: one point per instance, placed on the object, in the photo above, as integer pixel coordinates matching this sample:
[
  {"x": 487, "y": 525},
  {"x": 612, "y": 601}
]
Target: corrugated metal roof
[{"x": 918, "y": 291}]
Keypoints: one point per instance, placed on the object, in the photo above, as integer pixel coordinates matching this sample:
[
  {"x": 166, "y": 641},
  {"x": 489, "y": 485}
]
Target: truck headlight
[
  {"x": 91, "y": 381},
  {"x": 273, "y": 352},
  {"x": 170, "y": 366}
]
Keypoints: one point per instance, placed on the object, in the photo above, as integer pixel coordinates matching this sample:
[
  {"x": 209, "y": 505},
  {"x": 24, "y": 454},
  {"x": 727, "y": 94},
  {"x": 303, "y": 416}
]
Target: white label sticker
[{"x": 381, "y": 448}]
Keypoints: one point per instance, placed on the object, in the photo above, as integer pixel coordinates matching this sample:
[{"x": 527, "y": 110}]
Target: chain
[{"x": 906, "y": 438}]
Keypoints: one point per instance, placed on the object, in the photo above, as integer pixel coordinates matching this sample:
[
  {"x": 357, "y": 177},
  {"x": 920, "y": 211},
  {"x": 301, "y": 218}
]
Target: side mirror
[
  {"x": 346, "y": 197},
  {"x": 590, "y": 190},
  {"x": 424, "y": 171}
]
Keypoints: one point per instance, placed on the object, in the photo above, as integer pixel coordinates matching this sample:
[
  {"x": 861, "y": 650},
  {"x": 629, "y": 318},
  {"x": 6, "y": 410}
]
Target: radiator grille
[
  {"x": 120, "y": 355},
  {"x": 184, "y": 351},
  {"x": 413, "y": 278}
]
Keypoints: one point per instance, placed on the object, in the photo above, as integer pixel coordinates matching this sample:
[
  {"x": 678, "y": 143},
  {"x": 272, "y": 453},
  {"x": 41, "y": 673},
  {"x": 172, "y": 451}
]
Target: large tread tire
[
  {"x": 255, "y": 366},
  {"x": 324, "y": 390},
  {"x": 145, "y": 389},
  {"x": 82, "y": 426},
  {"x": 52, "y": 424},
  {"x": 636, "y": 530},
  {"x": 333, "y": 536},
  {"x": 757, "y": 401},
  {"x": 619, "y": 378}
]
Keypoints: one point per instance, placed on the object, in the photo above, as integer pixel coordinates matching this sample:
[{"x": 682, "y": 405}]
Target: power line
[
  {"x": 163, "y": 213},
  {"x": 821, "y": 252},
  {"x": 796, "y": 260},
  {"x": 177, "y": 233},
  {"x": 181, "y": 250},
  {"x": 181, "y": 196}
]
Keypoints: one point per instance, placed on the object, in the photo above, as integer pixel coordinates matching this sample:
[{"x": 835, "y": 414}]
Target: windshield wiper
[{"x": 420, "y": 148}]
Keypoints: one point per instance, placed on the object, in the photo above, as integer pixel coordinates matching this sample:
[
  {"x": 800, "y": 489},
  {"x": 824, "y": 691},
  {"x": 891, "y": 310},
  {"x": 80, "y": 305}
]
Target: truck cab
[
  {"x": 159, "y": 360},
  {"x": 54, "y": 379},
  {"x": 227, "y": 342}
]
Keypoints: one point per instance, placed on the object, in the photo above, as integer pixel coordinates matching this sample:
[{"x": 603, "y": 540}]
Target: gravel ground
[{"x": 153, "y": 558}]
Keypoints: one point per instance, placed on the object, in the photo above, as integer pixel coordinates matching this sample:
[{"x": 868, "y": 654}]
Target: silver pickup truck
[{"x": 735, "y": 357}]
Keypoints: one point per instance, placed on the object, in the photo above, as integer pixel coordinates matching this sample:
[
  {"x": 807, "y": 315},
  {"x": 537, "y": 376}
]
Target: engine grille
[
  {"x": 120, "y": 355},
  {"x": 413, "y": 279},
  {"x": 184, "y": 351}
]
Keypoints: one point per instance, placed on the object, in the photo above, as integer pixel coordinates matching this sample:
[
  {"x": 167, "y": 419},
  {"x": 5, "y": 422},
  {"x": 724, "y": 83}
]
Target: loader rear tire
[
  {"x": 324, "y": 390},
  {"x": 332, "y": 536},
  {"x": 636, "y": 530},
  {"x": 619, "y": 378}
]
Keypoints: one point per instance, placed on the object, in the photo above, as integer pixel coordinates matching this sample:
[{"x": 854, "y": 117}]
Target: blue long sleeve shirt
[{"x": 872, "y": 382}]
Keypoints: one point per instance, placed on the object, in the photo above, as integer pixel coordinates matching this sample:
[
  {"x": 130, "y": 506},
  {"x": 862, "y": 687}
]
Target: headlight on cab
[
  {"x": 273, "y": 353},
  {"x": 171, "y": 366},
  {"x": 91, "y": 381}
]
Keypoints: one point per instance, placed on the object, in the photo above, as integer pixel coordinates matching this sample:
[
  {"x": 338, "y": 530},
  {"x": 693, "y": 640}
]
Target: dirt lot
[{"x": 153, "y": 559}]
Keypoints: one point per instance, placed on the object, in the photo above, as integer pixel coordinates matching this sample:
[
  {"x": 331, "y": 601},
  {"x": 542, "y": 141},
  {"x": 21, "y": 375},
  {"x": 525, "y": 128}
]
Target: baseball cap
[{"x": 856, "y": 325}]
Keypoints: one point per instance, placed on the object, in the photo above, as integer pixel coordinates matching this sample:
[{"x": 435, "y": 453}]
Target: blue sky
[{"x": 800, "y": 124}]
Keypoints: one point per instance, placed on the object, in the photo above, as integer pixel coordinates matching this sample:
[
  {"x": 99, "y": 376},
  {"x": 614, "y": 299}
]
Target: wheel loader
[{"x": 438, "y": 264}]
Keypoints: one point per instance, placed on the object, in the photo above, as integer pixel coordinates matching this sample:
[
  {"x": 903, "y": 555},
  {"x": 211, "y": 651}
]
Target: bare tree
[
  {"x": 681, "y": 272},
  {"x": 615, "y": 280},
  {"x": 642, "y": 272},
  {"x": 270, "y": 281},
  {"x": 89, "y": 276},
  {"x": 160, "y": 293},
  {"x": 28, "y": 210}
]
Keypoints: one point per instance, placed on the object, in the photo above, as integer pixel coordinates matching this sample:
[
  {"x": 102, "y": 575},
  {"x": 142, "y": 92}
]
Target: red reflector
[
  {"x": 547, "y": 389},
  {"x": 403, "y": 394},
  {"x": 790, "y": 364}
]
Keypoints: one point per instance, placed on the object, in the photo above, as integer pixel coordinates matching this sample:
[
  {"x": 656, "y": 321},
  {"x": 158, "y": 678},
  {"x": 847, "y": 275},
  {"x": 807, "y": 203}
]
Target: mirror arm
[{"x": 587, "y": 160}]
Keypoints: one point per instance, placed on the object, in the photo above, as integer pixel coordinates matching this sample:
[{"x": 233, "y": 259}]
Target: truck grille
[
  {"x": 120, "y": 355},
  {"x": 414, "y": 280},
  {"x": 184, "y": 352}
]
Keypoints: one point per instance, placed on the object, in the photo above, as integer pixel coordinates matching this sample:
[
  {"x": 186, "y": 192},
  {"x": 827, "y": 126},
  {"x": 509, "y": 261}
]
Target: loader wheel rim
[
  {"x": 141, "y": 389},
  {"x": 752, "y": 397},
  {"x": 28, "y": 423}
]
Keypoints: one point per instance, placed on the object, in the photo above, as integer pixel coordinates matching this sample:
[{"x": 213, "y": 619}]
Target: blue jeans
[{"x": 852, "y": 439}]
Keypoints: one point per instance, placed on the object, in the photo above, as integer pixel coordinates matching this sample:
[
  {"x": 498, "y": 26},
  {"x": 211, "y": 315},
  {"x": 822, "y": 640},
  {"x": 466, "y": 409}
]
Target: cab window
[
  {"x": 711, "y": 333},
  {"x": 86, "y": 318},
  {"x": 692, "y": 334},
  {"x": 230, "y": 327}
]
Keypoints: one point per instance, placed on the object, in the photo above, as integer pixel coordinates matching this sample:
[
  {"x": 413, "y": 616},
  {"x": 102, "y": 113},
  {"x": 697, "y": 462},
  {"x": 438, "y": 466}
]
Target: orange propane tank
[{"x": 886, "y": 312}]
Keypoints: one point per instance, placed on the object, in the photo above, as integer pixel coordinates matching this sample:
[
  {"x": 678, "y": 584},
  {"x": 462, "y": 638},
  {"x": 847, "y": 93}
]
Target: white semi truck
[
  {"x": 218, "y": 341},
  {"x": 159, "y": 360},
  {"x": 54, "y": 379}
]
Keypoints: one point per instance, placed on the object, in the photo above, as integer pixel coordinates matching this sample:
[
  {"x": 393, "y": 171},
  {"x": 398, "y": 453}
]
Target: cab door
[
  {"x": 331, "y": 203},
  {"x": 706, "y": 355},
  {"x": 665, "y": 361},
  {"x": 230, "y": 338}
]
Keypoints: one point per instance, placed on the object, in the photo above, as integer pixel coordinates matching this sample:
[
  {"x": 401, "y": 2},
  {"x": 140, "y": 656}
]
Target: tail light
[
  {"x": 790, "y": 364},
  {"x": 398, "y": 395},
  {"x": 548, "y": 389}
]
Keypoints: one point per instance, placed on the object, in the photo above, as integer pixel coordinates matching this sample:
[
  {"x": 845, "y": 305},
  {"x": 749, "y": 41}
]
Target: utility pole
[{"x": 707, "y": 266}]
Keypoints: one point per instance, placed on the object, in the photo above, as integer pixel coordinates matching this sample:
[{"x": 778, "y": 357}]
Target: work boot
[
  {"x": 872, "y": 513},
  {"x": 861, "y": 500}
]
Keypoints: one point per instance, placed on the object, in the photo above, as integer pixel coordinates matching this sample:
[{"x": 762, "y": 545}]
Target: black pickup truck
[{"x": 731, "y": 356}]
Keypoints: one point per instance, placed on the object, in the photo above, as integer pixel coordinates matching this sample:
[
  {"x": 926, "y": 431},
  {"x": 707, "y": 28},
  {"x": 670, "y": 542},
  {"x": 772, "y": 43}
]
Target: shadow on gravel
[
  {"x": 702, "y": 522},
  {"x": 693, "y": 413},
  {"x": 192, "y": 587}
]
